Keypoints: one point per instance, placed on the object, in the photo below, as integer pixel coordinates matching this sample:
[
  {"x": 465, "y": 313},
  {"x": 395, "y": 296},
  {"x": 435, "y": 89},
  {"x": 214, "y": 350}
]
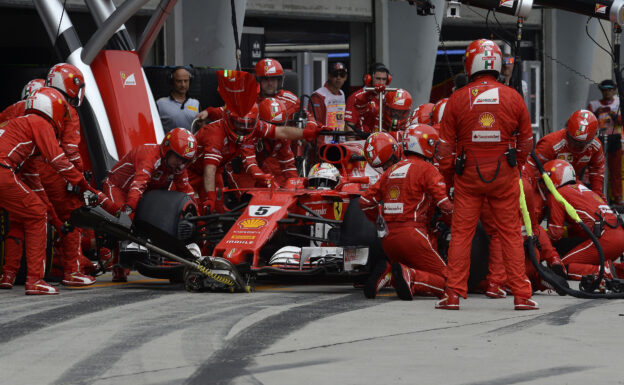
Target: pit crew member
[
  {"x": 593, "y": 211},
  {"x": 485, "y": 124},
  {"x": 404, "y": 192},
  {"x": 35, "y": 133}
]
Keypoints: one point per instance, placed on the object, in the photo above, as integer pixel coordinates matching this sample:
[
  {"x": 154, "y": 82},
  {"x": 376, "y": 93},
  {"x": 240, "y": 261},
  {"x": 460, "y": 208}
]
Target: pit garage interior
[{"x": 306, "y": 35}]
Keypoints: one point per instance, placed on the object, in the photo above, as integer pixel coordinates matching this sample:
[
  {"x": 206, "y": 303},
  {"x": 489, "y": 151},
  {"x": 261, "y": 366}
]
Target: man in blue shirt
[{"x": 178, "y": 109}]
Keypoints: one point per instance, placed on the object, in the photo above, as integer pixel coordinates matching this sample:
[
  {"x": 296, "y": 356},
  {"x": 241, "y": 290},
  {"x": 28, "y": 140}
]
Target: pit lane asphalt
[{"x": 148, "y": 331}]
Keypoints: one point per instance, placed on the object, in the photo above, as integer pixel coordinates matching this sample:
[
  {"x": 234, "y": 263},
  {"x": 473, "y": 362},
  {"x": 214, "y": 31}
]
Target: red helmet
[
  {"x": 381, "y": 150},
  {"x": 50, "y": 104},
  {"x": 180, "y": 141},
  {"x": 560, "y": 172},
  {"x": 68, "y": 79},
  {"x": 483, "y": 56},
  {"x": 31, "y": 87},
  {"x": 422, "y": 114},
  {"x": 268, "y": 68},
  {"x": 438, "y": 111},
  {"x": 396, "y": 109},
  {"x": 581, "y": 129},
  {"x": 273, "y": 111},
  {"x": 238, "y": 126},
  {"x": 420, "y": 139},
  {"x": 239, "y": 90}
]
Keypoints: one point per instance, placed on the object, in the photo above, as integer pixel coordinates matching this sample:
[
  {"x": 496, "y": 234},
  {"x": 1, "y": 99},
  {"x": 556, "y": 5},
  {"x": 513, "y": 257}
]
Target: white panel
[{"x": 361, "y": 9}]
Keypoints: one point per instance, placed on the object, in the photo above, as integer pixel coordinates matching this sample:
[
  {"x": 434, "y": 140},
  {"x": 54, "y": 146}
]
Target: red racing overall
[{"x": 482, "y": 121}]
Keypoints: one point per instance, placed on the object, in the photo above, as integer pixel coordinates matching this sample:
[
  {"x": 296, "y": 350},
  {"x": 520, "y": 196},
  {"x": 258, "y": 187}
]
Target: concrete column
[
  {"x": 208, "y": 34},
  {"x": 565, "y": 40},
  {"x": 173, "y": 35},
  {"x": 199, "y": 32},
  {"x": 358, "y": 52},
  {"x": 408, "y": 44}
]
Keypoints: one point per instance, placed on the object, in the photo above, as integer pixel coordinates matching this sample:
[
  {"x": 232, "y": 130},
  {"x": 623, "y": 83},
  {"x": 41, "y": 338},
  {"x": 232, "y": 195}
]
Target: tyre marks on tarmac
[
  {"x": 208, "y": 322},
  {"x": 230, "y": 362},
  {"x": 557, "y": 318},
  {"x": 77, "y": 307},
  {"x": 532, "y": 375}
]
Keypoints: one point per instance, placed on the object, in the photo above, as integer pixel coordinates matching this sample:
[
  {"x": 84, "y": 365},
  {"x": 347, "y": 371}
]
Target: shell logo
[
  {"x": 394, "y": 192},
  {"x": 253, "y": 223},
  {"x": 486, "y": 120}
]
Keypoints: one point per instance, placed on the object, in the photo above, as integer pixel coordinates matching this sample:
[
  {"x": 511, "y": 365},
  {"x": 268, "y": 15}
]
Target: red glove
[
  {"x": 264, "y": 180},
  {"x": 56, "y": 222},
  {"x": 209, "y": 203},
  {"x": 311, "y": 132},
  {"x": 111, "y": 207},
  {"x": 446, "y": 206},
  {"x": 379, "y": 88},
  {"x": 85, "y": 186}
]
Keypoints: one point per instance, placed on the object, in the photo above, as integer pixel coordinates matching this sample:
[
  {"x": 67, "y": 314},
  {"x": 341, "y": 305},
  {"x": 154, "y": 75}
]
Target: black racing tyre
[
  {"x": 357, "y": 230},
  {"x": 479, "y": 257},
  {"x": 174, "y": 273},
  {"x": 163, "y": 210}
]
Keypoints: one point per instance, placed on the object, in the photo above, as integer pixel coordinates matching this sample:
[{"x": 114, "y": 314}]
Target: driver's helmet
[
  {"x": 323, "y": 176},
  {"x": 396, "y": 109}
]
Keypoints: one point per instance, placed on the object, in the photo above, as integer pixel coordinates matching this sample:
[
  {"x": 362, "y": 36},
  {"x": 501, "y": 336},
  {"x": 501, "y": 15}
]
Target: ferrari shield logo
[
  {"x": 337, "y": 210},
  {"x": 474, "y": 91}
]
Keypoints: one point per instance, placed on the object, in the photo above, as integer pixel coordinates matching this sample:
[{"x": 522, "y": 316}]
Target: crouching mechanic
[
  {"x": 262, "y": 156},
  {"x": 148, "y": 167},
  {"x": 235, "y": 134},
  {"x": 583, "y": 259},
  {"x": 405, "y": 192},
  {"x": 577, "y": 145},
  {"x": 35, "y": 133}
]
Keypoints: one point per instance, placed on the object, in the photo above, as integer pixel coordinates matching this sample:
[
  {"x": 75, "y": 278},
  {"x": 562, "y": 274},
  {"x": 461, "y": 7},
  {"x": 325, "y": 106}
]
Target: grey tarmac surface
[{"x": 148, "y": 331}]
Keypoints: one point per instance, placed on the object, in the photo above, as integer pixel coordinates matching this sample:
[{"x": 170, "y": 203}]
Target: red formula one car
[{"x": 296, "y": 230}]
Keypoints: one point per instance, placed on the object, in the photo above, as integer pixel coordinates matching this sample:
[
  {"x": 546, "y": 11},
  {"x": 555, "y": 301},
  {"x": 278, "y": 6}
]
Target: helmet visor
[
  {"x": 395, "y": 114},
  {"x": 77, "y": 101},
  {"x": 322, "y": 183},
  {"x": 243, "y": 126},
  {"x": 577, "y": 145},
  {"x": 176, "y": 162}
]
